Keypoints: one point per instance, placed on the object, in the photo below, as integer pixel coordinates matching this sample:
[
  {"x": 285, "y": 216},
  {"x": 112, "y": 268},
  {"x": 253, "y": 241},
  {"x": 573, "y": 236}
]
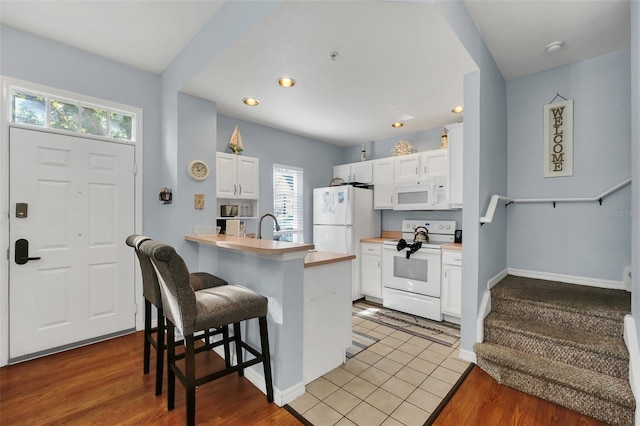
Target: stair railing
[{"x": 491, "y": 209}]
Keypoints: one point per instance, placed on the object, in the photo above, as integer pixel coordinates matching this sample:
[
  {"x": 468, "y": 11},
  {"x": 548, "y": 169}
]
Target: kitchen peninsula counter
[
  {"x": 309, "y": 302},
  {"x": 251, "y": 245}
]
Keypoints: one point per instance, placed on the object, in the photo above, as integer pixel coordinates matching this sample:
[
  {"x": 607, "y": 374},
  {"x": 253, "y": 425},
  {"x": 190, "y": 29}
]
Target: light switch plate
[{"x": 198, "y": 201}]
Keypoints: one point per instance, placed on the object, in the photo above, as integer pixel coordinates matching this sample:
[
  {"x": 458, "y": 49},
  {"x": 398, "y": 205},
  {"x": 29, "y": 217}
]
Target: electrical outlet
[{"x": 198, "y": 201}]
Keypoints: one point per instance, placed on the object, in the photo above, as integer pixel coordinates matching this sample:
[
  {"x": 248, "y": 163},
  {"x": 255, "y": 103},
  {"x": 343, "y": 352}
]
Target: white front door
[{"x": 79, "y": 197}]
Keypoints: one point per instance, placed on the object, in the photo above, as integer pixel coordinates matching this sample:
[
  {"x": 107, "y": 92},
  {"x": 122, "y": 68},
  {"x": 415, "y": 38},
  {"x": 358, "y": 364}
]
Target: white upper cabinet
[
  {"x": 237, "y": 176},
  {"x": 406, "y": 168},
  {"x": 383, "y": 183},
  {"x": 343, "y": 172},
  {"x": 434, "y": 163},
  {"x": 354, "y": 172},
  {"x": 455, "y": 132},
  {"x": 362, "y": 172}
]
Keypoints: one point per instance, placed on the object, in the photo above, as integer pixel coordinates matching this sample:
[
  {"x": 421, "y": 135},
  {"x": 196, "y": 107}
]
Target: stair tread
[
  {"x": 592, "y": 301},
  {"x": 592, "y": 342},
  {"x": 603, "y": 386}
]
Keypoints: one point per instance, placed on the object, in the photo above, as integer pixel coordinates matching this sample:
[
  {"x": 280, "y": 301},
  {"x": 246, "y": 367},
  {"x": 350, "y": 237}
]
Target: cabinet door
[
  {"x": 371, "y": 272},
  {"x": 362, "y": 172},
  {"x": 382, "y": 171},
  {"x": 434, "y": 163},
  {"x": 343, "y": 172},
  {"x": 383, "y": 183},
  {"x": 248, "y": 178},
  {"x": 226, "y": 172},
  {"x": 406, "y": 168},
  {"x": 455, "y": 164},
  {"x": 451, "y": 289}
]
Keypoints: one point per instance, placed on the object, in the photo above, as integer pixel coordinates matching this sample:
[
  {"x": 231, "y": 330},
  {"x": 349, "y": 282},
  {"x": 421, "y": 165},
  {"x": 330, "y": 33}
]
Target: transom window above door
[{"x": 49, "y": 111}]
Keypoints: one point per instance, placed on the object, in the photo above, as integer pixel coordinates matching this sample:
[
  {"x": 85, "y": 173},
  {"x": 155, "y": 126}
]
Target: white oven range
[{"x": 411, "y": 280}]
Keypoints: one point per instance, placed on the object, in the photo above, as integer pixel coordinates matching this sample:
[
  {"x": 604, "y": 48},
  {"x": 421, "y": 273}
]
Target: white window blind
[{"x": 287, "y": 202}]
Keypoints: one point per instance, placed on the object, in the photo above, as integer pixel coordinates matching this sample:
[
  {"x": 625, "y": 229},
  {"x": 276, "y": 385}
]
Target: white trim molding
[
  {"x": 633, "y": 346},
  {"x": 571, "y": 279},
  {"x": 497, "y": 278},
  {"x": 469, "y": 356}
]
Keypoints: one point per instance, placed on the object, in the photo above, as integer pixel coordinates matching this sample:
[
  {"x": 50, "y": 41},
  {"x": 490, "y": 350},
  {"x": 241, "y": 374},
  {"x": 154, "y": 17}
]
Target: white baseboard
[
  {"x": 485, "y": 309},
  {"x": 280, "y": 397},
  {"x": 469, "y": 356},
  {"x": 497, "y": 278},
  {"x": 633, "y": 346},
  {"x": 572, "y": 279}
]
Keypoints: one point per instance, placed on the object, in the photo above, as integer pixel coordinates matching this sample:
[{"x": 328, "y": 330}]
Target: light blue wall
[
  {"x": 28, "y": 57},
  {"x": 485, "y": 168},
  {"x": 577, "y": 239},
  {"x": 230, "y": 22},
  {"x": 274, "y": 146},
  {"x": 197, "y": 122},
  {"x": 635, "y": 160}
]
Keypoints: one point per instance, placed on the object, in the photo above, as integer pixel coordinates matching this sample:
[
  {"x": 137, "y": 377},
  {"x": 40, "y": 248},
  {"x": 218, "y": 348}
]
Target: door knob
[{"x": 22, "y": 252}]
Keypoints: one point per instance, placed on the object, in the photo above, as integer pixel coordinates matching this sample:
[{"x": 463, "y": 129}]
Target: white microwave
[{"x": 428, "y": 194}]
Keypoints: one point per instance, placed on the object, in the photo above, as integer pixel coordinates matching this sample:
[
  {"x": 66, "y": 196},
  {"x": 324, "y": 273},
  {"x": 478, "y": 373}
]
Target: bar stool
[
  {"x": 192, "y": 311},
  {"x": 152, "y": 297}
]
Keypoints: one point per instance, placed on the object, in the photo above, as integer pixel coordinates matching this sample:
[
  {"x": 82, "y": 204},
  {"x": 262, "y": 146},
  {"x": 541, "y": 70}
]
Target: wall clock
[{"x": 198, "y": 170}]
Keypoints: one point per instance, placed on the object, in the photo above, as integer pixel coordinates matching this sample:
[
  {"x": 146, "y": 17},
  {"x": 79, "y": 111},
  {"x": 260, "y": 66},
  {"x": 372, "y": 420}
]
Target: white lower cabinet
[
  {"x": 371, "y": 272},
  {"x": 451, "y": 284}
]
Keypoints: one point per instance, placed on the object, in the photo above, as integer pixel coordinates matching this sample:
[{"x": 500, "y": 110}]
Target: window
[
  {"x": 43, "y": 110},
  {"x": 287, "y": 202}
]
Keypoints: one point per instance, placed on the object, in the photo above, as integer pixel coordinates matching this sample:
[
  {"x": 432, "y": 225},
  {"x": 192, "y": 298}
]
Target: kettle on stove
[{"x": 421, "y": 234}]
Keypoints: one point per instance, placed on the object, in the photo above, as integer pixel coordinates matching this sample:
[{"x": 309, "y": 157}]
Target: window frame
[
  {"x": 82, "y": 104},
  {"x": 297, "y": 233}
]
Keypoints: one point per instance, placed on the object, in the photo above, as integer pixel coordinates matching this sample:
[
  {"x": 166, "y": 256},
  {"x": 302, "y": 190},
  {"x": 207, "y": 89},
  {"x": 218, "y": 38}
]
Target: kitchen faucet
[{"x": 260, "y": 224}]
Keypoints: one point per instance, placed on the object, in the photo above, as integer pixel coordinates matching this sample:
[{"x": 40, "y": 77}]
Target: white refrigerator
[{"x": 342, "y": 215}]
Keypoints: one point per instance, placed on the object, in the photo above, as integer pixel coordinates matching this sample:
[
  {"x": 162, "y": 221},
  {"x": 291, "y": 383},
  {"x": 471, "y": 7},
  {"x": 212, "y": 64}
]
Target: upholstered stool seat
[
  {"x": 154, "y": 336},
  {"x": 192, "y": 311}
]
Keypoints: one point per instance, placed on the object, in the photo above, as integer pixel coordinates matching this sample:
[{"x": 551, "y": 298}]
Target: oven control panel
[{"x": 446, "y": 227}]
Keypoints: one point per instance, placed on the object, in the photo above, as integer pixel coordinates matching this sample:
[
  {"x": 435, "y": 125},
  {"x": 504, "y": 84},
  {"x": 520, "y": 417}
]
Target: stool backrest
[
  {"x": 178, "y": 297},
  {"x": 150, "y": 285}
]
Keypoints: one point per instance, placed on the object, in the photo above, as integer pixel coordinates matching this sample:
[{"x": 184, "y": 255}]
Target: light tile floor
[{"x": 400, "y": 380}]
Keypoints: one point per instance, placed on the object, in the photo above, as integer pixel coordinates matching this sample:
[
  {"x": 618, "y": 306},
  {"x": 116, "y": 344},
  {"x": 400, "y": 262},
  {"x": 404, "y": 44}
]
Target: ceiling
[{"x": 395, "y": 60}]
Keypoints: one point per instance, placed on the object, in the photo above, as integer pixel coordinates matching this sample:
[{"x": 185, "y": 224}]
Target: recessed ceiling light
[
  {"x": 554, "y": 46},
  {"x": 458, "y": 109},
  {"x": 250, "y": 101},
  {"x": 397, "y": 124},
  {"x": 286, "y": 82}
]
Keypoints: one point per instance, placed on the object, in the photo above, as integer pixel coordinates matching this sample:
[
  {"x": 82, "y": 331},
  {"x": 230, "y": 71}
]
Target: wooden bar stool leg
[
  {"x": 171, "y": 360},
  {"x": 238, "y": 339},
  {"x": 147, "y": 336},
  {"x": 190, "y": 385},
  {"x": 266, "y": 361},
  {"x": 160, "y": 345}
]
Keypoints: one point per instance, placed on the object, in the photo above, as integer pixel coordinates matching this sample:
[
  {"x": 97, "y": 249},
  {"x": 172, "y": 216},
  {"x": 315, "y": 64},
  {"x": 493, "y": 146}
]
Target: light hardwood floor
[
  {"x": 103, "y": 384},
  {"x": 482, "y": 401}
]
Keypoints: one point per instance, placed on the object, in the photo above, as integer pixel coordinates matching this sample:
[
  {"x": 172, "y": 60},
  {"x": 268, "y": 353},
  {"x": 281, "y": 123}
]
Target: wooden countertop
[
  {"x": 386, "y": 235},
  {"x": 317, "y": 258},
  {"x": 252, "y": 245},
  {"x": 452, "y": 246}
]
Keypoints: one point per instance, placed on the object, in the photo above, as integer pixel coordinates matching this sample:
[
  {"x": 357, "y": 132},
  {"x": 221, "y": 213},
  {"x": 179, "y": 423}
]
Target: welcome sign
[{"x": 558, "y": 139}]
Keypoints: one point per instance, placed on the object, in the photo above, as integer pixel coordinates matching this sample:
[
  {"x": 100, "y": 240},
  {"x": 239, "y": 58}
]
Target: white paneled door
[{"x": 77, "y": 208}]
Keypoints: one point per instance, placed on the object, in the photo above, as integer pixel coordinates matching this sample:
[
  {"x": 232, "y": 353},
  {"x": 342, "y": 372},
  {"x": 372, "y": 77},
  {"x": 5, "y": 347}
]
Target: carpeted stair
[{"x": 562, "y": 343}]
